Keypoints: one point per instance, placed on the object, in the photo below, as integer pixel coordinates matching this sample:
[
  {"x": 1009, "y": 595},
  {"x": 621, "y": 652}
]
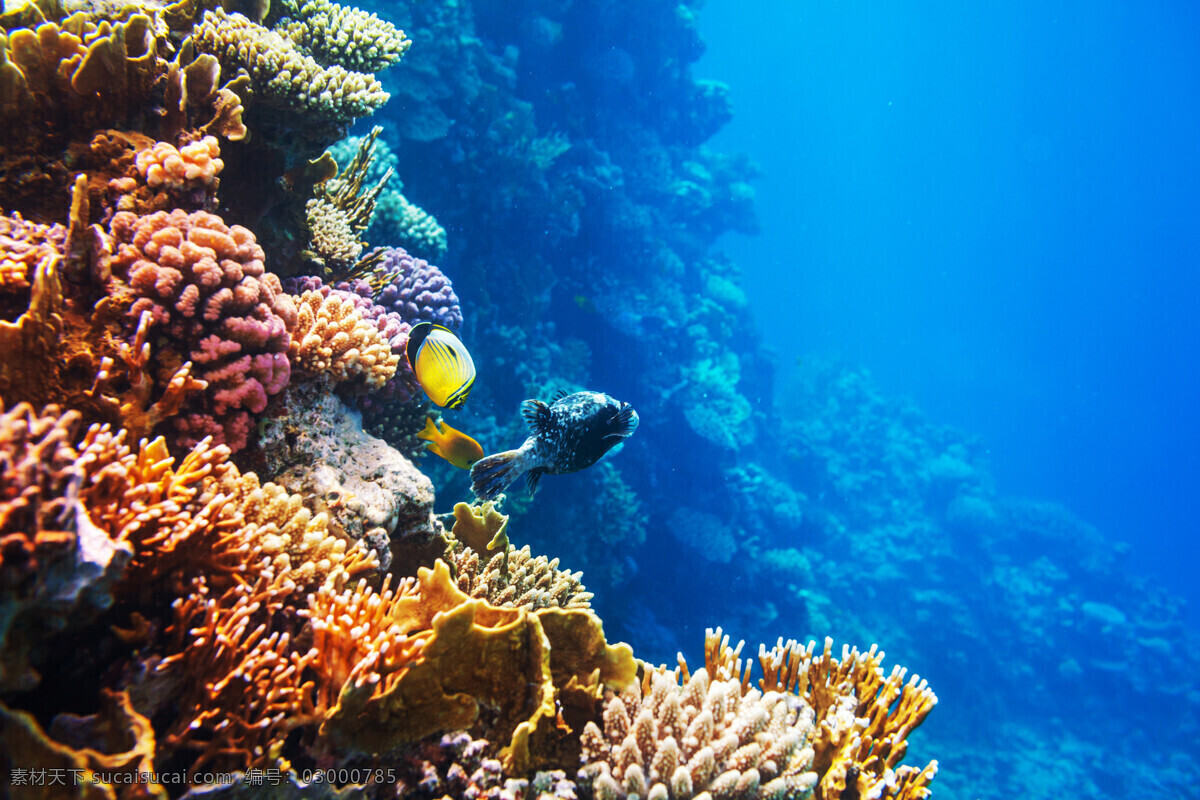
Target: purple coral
[
  {"x": 205, "y": 285},
  {"x": 418, "y": 291}
]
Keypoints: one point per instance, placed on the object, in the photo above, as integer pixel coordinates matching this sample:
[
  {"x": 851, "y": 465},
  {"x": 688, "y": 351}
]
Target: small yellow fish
[
  {"x": 441, "y": 364},
  {"x": 455, "y": 446}
]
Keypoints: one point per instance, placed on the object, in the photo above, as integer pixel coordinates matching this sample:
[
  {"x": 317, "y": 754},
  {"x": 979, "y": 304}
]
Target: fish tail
[{"x": 491, "y": 475}]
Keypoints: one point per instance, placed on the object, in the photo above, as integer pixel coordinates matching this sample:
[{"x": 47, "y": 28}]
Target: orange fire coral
[{"x": 476, "y": 655}]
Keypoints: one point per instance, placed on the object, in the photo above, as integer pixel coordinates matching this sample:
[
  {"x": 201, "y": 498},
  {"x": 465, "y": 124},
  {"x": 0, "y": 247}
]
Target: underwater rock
[{"x": 369, "y": 490}]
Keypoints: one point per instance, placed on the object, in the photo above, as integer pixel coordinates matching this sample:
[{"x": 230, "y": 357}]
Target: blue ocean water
[
  {"x": 992, "y": 207},
  {"x": 941, "y": 402}
]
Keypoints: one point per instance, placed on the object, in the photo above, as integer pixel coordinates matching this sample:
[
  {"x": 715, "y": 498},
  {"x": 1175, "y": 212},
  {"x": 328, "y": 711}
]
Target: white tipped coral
[{"x": 664, "y": 740}]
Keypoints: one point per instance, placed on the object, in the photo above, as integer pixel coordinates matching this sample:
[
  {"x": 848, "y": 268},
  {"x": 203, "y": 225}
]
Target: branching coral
[
  {"x": 247, "y": 686},
  {"x": 342, "y": 35},
  {"x": 332, "y": 338},
  {"x": 863, "y": 717},
  {"x": 704, "y": 738},
  {"x": 397, "y": 222},
  {"x": 282, "y": 76},
  {"x": 205, "y": 287},
  {"x": 510, "y": 578}
]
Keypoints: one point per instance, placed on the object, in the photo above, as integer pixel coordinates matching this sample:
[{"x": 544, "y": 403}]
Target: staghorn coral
[
  {"x": 205, "y": 287},
  {"x": 863, "y": 717},
  {"x": 338, "y": 34},
  {"x": 282, "y": 76},
  {"x": 331, "y": 337},
  {"x": 705, "y": 738},
  {"x": 396, "y": 221},
  {"x": 416, "y": 290}
]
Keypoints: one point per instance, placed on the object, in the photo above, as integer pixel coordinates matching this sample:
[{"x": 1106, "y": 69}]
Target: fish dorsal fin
[
  {"x": 559, "y": 395},
  {"x": 537, "y": 416}
]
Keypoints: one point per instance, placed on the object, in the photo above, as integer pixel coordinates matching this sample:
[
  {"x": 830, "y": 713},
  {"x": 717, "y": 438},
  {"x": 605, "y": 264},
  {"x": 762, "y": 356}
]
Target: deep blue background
[{"x": 994, "y": 207}]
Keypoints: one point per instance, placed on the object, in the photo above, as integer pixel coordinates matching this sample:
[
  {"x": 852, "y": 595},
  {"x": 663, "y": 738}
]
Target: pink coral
[
  {"x": 205, "y": 285},
  {"x": 193, "y": 166}
]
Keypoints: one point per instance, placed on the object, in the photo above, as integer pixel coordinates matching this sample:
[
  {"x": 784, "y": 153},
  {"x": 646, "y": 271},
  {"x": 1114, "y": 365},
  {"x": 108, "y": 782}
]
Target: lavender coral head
[{"x": 418, "y": 291}]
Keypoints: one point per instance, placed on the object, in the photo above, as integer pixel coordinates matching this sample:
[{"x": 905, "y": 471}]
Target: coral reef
[
  {"x": 206, "y": 563},
  {"x": 282, "y": 75}
]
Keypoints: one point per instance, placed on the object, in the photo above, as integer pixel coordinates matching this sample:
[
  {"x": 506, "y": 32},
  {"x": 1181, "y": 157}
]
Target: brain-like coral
[
  {"x": 205, "y": 286},
  {"x": 418, "y": 290}
]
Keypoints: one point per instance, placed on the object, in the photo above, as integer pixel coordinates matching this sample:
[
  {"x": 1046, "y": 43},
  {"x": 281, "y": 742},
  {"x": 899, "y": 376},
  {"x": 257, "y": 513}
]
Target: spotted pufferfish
[{"x": 569, "y": 434}]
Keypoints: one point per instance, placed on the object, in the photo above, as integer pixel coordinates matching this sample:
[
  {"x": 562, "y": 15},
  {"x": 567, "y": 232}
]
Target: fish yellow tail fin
[{"x": 491, "y": 475}]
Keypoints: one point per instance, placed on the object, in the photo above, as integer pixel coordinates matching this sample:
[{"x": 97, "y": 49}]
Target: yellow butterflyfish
[{"x": 441, "y": 364}]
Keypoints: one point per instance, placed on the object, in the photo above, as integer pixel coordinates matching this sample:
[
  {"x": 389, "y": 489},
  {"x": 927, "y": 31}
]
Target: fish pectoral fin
[
  {"x": 537, "y": 416},
  {"x": 532, "y": 478}
]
